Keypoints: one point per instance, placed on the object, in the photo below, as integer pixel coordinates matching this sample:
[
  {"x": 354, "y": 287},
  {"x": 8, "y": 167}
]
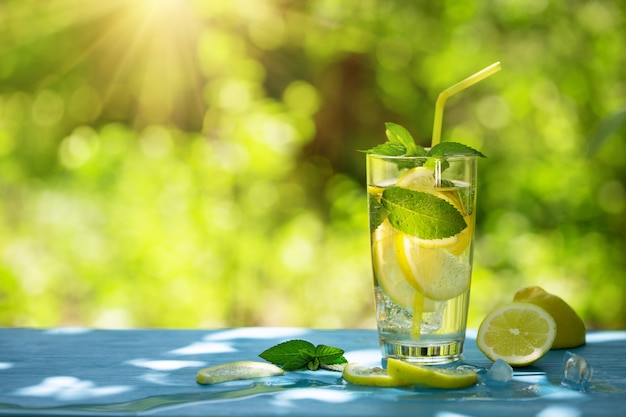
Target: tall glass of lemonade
[{"x": 422, "y": 215}]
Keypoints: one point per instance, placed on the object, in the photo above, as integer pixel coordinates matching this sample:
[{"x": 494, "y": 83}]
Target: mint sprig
[
  {"x": 299, "y": 354},
  {"x": 401, "y": 143}
]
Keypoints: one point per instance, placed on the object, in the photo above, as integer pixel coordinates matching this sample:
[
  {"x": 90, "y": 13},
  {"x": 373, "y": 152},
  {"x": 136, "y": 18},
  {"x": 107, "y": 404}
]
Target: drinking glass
[{"x": 422, "y": 216}]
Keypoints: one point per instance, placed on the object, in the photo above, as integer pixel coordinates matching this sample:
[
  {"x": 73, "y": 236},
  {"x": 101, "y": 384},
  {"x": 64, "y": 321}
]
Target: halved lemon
[
  {"x": 570, "y": 329},
  {"x": 517, "y": 333}
]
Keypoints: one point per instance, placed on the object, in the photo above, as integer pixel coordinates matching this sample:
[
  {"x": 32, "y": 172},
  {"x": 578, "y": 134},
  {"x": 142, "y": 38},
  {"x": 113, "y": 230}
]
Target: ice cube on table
[
  {"x": 577, "y": 372},
  {"x": 500, "y": 374}
]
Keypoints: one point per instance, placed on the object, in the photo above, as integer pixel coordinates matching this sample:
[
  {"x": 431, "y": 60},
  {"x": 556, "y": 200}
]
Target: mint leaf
[
  {"x": 422, "y": 214},
  {"x": 399, "y": 143},
  {"x": 300, "y": 354},
  {"x": 290, "y": 355},
  {"x": 399, "y": 135},
  {"x": 314, "y": 364},
  {"x": 388, "y": 149},
  {"x": 453, "y": 148},
  {"x": 377, "y": 212},
  {"x": 329, "y": 355}
]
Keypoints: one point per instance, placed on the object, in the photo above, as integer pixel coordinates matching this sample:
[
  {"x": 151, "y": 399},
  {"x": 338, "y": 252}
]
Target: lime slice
[
  {"x": 517, "y": 333},
  {"x": 236, "y": 370},
  {"x": 431, "y": 376},
  {"x": 357, "y": 374},
  {"x": 435, "y": 272},
  {"x": 570, "y": 329},
  {"x": 388, "y": 272}
]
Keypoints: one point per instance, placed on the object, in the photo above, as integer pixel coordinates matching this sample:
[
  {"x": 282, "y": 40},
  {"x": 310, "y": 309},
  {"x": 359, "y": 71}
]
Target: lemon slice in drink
[
  {"x": 236, "y": 370},
  {"x": 454, "y": 244},
  {"x": 418, "y": 179},
  {"x": 431, "y": 376},
  {"x": 517, "y": 333},
  {"x": 423, "y": 179},
  {"x": 357, "y": 374},
  {"x": 390, "y": 276},
  {"x": 436, "y": 273}
]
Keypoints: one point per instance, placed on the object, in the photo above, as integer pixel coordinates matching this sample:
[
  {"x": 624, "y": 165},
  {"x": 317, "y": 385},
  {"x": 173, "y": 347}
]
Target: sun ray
[{"x": 146, "y": 48}]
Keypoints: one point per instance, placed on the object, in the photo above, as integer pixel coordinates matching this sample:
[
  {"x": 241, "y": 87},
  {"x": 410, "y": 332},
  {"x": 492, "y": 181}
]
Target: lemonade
[
  {"x": 422, "y": 215},
  {"x": 421, "y": 210}
]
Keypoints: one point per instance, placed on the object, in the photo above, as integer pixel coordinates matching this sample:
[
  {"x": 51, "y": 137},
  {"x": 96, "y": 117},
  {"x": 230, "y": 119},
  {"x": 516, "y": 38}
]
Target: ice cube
[
  {"x": 499, "y": 374},
  {"x": 577, "y": 372}
]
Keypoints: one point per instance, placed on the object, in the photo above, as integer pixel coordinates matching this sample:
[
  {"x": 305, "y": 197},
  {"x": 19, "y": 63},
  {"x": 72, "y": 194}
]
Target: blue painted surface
[{"x": 75, "y": 371}]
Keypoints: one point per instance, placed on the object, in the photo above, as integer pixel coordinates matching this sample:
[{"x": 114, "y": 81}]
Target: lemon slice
[
  {"x": 423, "y": 179},
  {"x": 435, "y": 272},
  {"x": 517, "y": 333},
  {"x": 456, "y": 244},
  {"x": 389, "y": 274},
  {"x": 570, "y": 329},
  {"x": 357, "y": 374},
  {"x": 236, "y": 370},
  {"x": 418, "y": 179},
  {"x": 431, "y": 376}
]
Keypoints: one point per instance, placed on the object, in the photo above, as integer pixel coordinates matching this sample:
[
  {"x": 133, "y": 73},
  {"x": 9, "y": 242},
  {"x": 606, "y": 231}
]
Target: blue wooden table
[{"x": 76, "y": 371}]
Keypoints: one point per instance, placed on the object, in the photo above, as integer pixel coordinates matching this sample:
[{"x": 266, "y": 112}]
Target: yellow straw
[
  {"x": 418, "y": 310},
  {"x": 450, "y": 91}
]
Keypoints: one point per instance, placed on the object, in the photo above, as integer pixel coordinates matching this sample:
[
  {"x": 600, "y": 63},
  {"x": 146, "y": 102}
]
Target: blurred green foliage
[{"x": 194, "y": 163}]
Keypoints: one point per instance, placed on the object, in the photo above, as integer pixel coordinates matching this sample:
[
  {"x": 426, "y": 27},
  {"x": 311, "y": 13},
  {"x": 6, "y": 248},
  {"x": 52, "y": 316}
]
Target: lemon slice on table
[
  {"x": 357, "y": 374},
  {"x": 400, "y": 374},
  {"x": 436, "y": 273},
  {"x": 449, "y": 378},
  {"x": 517, "y": 333},
  {"x": 390, "y": 276},
  {"x": 236, "y": 370}
]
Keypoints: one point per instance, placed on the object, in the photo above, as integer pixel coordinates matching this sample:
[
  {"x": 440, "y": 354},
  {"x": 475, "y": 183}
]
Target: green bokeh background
[{"x": 194, "y": 164}]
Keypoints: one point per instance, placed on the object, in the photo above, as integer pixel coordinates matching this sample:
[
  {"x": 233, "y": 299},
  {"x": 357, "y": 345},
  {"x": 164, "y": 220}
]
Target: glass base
[{"x": 429, "y": 353}]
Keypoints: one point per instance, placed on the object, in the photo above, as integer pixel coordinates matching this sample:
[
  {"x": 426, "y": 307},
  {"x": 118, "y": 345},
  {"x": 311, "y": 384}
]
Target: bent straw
[{"x": 450, "y": 91}]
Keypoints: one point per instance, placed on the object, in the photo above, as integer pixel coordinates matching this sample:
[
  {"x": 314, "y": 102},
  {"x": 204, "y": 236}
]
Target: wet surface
[{"x": 114, "y": 373}]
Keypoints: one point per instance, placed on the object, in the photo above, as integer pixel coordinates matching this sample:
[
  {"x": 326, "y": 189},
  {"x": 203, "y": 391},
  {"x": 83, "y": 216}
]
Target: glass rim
[{"x": 421, "y": 157}]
